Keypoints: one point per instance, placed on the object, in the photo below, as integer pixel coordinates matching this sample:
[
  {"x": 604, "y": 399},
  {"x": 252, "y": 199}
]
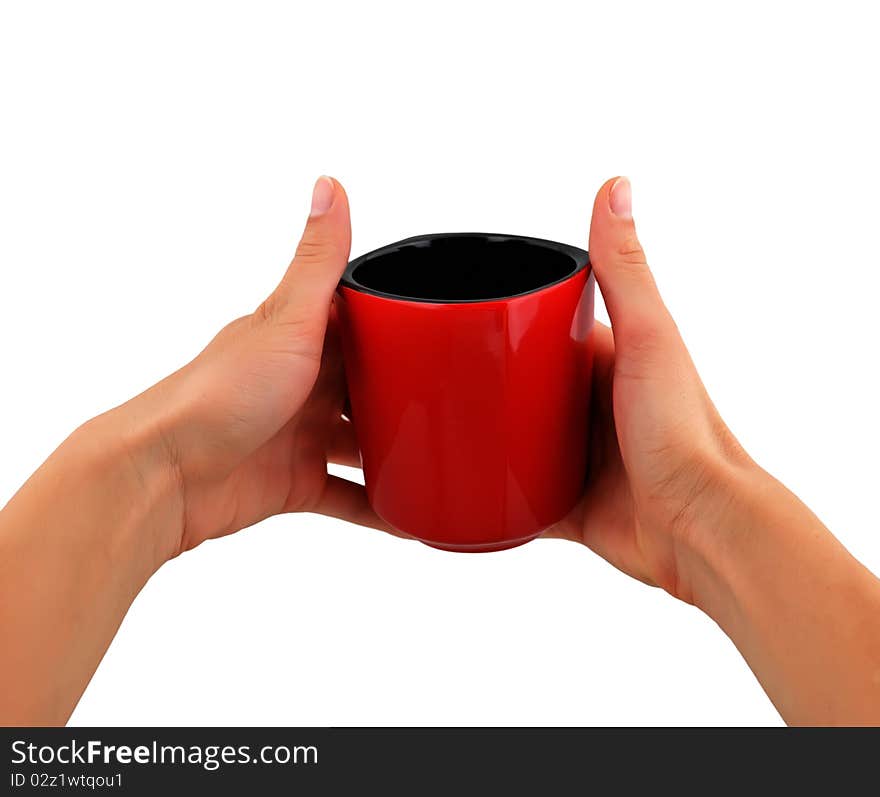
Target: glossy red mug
[{"x": 468, "y": 360}]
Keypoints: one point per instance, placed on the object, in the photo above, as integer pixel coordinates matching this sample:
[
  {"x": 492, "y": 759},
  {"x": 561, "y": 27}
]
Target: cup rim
[{"x": 580, "y": 256}]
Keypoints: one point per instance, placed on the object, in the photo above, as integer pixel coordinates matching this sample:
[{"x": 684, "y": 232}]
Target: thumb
[
  {"x": 306, "y": 291},
  {"x": 634, "y": 305}
]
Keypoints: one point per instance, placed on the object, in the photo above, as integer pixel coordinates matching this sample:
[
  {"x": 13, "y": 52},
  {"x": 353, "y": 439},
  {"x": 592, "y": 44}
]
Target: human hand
[
  {"x": 247, "y": 428},
  {"x": 672, "y": 499},
  {"x": 242, "y": 432},
  {"x": 661, "y": 456}
]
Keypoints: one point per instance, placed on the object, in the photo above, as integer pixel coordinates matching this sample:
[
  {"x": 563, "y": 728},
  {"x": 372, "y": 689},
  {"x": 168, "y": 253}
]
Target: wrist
[
  {"x": 750, "y": 530},
  {"x": 127, "y": 453},
  {"x": 719, "y": 531},
  {"x": 792, "y": 599},
  {"x": 710, "y": 546},
  {"x": 77, "y": 542}
]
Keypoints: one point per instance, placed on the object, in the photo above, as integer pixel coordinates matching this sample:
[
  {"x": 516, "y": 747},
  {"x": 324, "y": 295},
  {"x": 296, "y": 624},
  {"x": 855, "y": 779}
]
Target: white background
[{"x": 156, "y": 162}]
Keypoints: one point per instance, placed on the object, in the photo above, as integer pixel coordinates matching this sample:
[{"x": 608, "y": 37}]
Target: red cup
[{"x": 468, "y": 360}]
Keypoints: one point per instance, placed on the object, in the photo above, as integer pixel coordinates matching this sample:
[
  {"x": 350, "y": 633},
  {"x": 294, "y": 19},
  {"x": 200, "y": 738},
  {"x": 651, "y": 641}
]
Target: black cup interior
[{"x": 463, "y": 267}]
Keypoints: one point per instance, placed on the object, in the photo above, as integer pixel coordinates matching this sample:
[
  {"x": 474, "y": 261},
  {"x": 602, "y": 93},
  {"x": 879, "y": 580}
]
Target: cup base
[{"x": 488, "y": 547}]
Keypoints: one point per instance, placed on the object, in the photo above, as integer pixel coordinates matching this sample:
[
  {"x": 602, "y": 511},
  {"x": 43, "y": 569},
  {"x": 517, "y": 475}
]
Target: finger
[
  {"x": 343, "y": 446},
  {"x": 631, "y": 296},
  {"x": 330, "y": 390},
  {"x": 603, "y": 367},
  {"x": 305, "y": 293},
  {"x": 603, "y": 347},
  {"x": 348, "y": 501}
]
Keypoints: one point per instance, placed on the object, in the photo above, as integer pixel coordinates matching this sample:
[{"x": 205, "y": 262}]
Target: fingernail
[
  {"x": 322, "y": 196},
  {"x": 620, "y": 198}
]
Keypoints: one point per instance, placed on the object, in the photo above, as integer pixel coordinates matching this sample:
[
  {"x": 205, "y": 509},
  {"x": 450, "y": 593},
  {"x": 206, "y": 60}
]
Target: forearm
[
  {"x": 77, "y": 543},
  {"x": 804, "y": 613}
]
